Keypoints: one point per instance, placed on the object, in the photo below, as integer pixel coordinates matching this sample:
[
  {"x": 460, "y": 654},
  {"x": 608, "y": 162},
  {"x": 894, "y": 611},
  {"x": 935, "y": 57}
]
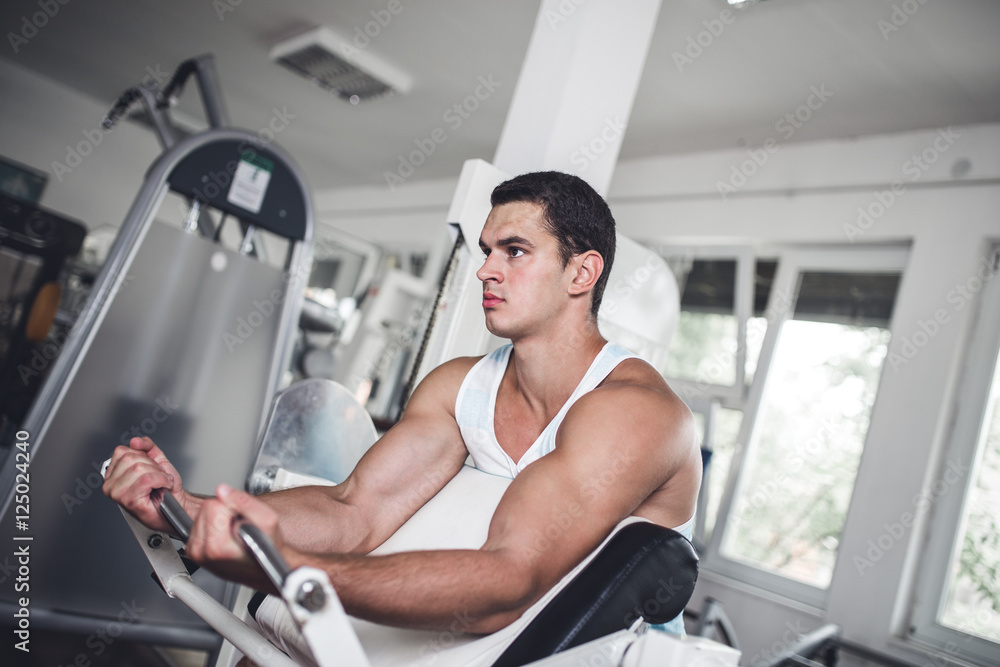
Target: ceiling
[{"x": 940, "y": 67}]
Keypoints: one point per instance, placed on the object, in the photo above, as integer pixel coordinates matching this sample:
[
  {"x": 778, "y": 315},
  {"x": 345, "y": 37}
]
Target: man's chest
[{"x": 516, "y": 428}]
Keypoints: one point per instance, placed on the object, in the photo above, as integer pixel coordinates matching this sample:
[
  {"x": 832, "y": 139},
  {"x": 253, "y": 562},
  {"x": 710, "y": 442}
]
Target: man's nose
[{"x": 489, "y": 269}]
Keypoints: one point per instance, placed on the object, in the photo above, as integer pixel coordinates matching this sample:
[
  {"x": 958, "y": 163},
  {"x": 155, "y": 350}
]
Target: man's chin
[{"x": 496, "y": 328}]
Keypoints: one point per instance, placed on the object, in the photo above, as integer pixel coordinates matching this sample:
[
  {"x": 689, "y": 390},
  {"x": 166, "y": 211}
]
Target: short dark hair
[{"x": 577, "y": 217}]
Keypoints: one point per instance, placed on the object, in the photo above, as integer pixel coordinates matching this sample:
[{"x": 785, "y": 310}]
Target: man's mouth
[{"x": 490, "y": 300}]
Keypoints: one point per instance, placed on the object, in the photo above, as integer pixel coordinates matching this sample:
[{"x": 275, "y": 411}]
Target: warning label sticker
[{"x": 250, "y": 182}]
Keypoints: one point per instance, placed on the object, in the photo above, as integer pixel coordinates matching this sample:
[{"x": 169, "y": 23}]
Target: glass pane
[
  {"x": 727, "y": 431},
  {"x": 973, "y": 598},
  {"x": 703, "y": 349},
  {"x": 798, "y": 477},
  {"x": 704, "y": 346}
]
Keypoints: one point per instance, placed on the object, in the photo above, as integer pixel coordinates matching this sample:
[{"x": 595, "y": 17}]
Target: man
[{"x": 569, "y": 408}]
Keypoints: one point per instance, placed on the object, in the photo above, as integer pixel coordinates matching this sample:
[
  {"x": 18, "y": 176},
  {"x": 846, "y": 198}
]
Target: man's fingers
[
  {"x": 131, "y": 483},
  {"x": 211, "y": 534},
  {"x": 244, "y": 505},
  {"x": 133, "y": 479},
  {"x": 120, "y": 453},
  {"x": 144, "y": 450},
  {"x": 146, "y": 444},
  {"x": 143, "y": 444},
  {"x": 130, "y": 471},
  {"x": 155, "y": 454}
]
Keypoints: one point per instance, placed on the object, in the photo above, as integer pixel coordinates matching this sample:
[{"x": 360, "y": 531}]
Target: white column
[{"x": 575, "y": 91}]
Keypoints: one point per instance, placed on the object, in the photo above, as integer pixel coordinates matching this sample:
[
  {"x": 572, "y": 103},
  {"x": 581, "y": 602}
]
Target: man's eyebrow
[{"x": 509, "y": 241}]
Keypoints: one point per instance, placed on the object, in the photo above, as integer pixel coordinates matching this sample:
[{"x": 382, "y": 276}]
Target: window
[
  {"x": 972, "y": 601},
  {"x": 957, "y": 599},
  {"x": 705, "y": 357},
  {"x": 717, "y": 429},
  {"x": 723, "y": 294},
  {"x": 777, "y": 497},
  {"x": 812, "y": 421}
]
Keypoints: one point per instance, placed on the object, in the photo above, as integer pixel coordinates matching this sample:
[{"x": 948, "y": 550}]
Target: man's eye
[{"x": 515, "y": 252}]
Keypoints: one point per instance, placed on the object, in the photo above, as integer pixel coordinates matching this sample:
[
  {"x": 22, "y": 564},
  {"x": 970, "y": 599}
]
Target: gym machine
[{"x": 185, "y": 337}]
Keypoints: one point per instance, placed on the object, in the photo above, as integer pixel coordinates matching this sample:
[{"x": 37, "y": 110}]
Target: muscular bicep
[{"x": 613, "y": 451}]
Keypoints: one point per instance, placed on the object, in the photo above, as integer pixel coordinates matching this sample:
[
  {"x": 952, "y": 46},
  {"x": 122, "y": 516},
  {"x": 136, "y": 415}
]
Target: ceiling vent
[{"x": 337, "y": 64}]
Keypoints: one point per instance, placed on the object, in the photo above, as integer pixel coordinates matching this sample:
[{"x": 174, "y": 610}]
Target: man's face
[{"x": 524, "y": 280}]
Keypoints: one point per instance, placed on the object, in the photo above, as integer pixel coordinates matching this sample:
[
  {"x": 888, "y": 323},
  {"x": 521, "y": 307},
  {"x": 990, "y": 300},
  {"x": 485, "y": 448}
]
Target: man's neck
[{"x": 545, "y": 370}]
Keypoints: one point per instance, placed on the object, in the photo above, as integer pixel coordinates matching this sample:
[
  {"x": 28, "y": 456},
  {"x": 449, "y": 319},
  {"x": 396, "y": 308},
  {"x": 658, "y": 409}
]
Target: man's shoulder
[
  {"x": 638, "y": 373},
  {"x": 451, "y": 371},
  {"x": 633, "y": 416},
  {"x": 454, "y": 370},
  {"x": 440, "y": 387},
  {"x": 634, "y": 385}
]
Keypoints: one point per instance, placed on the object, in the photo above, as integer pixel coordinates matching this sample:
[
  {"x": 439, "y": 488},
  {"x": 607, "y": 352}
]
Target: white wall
[
  {"x": 43, "y": 121},
  {"x": 411, "y": 216}
]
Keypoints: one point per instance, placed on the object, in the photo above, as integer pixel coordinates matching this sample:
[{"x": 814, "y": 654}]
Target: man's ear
[{"x": 588, "y": 267}]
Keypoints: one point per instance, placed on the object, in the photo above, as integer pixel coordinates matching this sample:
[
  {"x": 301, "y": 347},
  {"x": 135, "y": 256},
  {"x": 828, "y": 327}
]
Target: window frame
[
  {"x": 707, "y": 408},
  {"x": 792, "y": 262},
  {"x": 946, "y": 525},
  {"x": 742, "y": 310}
]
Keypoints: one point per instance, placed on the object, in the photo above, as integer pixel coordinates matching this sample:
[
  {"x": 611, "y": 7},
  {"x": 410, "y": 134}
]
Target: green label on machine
[{"x": 250, "y": 182}]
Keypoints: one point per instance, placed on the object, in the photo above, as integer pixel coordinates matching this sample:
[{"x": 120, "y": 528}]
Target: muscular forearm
[
  {"x": 312, "y": 521},
  {"x": 480, "y": 591}
]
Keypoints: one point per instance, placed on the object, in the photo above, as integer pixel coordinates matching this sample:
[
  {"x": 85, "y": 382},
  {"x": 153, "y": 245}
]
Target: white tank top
[{"x": 475, "y": 408}]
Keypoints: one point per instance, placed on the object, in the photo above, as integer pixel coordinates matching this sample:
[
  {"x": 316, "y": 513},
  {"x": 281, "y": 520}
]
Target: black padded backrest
[{"x": 644, "y": 570}]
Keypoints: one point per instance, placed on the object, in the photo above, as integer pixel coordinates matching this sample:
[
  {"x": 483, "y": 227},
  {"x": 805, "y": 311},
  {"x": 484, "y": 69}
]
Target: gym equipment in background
[{"x": 185, "y": 338}]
